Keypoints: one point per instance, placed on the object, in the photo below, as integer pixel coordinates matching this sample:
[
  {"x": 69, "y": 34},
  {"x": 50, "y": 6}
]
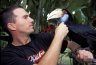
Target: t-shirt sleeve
[
  {"x": 48, "y": 37},
  {"x": 13, "y": 59}
]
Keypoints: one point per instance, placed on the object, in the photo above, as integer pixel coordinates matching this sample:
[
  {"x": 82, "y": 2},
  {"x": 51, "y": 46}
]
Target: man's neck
[{"x": 21, "y": 39}]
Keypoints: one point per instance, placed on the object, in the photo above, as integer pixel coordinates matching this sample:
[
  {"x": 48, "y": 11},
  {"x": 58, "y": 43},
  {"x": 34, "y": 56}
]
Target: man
[{"x": 35, "y": 49}]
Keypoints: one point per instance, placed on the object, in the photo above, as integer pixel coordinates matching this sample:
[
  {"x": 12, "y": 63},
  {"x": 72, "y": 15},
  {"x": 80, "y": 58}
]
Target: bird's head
[{"x": 62, "y": 15}]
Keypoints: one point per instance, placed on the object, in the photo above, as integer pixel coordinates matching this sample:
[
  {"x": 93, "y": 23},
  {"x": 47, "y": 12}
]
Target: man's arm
[
  {"x": 52, "y": 55},
  {"x": 72, "y": 45},
  {"x": 81, "y": 54}
]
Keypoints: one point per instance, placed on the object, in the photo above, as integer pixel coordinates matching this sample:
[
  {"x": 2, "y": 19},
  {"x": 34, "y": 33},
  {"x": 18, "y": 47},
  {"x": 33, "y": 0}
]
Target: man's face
[{"x": 23, "y": 22}]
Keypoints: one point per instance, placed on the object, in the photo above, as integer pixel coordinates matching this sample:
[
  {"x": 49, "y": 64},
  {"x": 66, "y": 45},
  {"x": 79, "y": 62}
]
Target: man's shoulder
[
  {"x": 11, "y": 51},
  {"x": 8, "y": 48}
]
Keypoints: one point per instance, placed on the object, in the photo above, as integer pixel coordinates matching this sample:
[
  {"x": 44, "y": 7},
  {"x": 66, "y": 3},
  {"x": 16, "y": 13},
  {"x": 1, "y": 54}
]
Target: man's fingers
[
  {"x": 61, "y": 31},
  {"x": 84, "y": 55}
]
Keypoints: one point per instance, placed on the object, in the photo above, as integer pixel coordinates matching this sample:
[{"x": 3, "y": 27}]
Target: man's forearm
[
  {"x": 72, "y": 45},
  {"x": 51, "y": 56}
]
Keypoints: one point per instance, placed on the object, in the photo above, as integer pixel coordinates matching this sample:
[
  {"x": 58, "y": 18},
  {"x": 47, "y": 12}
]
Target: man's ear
[{"x": 11, "y": 26}]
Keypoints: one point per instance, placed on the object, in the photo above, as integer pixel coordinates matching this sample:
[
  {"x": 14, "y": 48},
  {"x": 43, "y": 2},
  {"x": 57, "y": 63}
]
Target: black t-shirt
[{"x": 30, "y": 53}]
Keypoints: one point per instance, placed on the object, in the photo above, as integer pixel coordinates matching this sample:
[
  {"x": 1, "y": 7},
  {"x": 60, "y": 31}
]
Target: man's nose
[{"x": 31, "y": 19}]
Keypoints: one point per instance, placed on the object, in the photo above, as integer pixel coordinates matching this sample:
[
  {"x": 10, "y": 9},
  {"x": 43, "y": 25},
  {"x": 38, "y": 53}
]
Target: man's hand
[
  {"x": 61, "y": 31},
  {"x": 84, "y": 55}
]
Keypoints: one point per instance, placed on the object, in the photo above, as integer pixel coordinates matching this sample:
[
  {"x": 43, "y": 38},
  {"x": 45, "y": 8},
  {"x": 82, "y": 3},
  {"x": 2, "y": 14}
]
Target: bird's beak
[{"x": 57, "y": 13}]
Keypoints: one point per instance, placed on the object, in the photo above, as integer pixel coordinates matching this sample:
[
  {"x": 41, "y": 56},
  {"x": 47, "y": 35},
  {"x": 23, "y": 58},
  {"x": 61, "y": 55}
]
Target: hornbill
[{"x": 79, "y": 33}]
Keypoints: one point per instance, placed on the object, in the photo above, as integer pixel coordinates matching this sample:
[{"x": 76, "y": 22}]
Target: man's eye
[{"x": 25, "y": 17}]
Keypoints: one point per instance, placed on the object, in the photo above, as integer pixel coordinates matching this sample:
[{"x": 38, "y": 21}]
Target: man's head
[{"x": 17, "y": 20}]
